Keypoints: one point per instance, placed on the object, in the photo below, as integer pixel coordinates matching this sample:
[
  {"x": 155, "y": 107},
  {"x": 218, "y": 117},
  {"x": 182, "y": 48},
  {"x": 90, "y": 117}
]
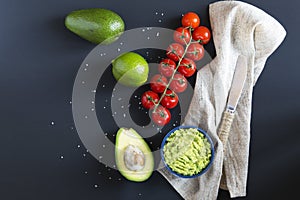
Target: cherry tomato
[
  {"x": 182, "y": 35},
  {"x": 175, "y": 51},
  {"x": 161, "y": 116},
  {"x": 202, "y": 34},
  {"x": 179, "y": 83},
  {"x": 158, "y": 83},
  {"x": 149, "y": 98},
  {"x": 170, "y": 100},
  {"x": 190, "y": 19},
  {"x": 187, "y": 67},
  {"x": 195, "y": 51},
  {"x": 166, "y": 67}
]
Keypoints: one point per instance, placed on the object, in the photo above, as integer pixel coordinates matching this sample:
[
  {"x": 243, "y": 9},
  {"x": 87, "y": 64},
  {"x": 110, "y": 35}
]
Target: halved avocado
[{"x": 133, "y": 156}]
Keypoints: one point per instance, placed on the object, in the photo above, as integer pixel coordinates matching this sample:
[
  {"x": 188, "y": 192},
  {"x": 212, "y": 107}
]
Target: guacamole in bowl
[{"x": 187, "y": 151}]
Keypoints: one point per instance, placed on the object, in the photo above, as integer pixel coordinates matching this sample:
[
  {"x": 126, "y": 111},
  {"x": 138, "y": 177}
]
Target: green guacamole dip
[{"x": 187, "y": 151}]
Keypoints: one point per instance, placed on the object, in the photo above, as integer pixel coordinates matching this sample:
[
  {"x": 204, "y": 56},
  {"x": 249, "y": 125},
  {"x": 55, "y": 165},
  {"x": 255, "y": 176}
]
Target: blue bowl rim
[{"x": 212, "y": 151}]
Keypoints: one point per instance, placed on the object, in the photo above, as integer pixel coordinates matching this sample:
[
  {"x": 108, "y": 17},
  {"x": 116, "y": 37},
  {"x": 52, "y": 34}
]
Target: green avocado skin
[{"x": 96, "y": 25}]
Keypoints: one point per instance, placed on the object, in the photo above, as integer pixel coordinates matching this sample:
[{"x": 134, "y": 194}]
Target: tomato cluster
[{"x": 181, "y": 57}]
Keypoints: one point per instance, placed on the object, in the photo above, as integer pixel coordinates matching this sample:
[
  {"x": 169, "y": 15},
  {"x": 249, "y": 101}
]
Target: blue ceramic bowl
[{"x": 211, "y": 145}]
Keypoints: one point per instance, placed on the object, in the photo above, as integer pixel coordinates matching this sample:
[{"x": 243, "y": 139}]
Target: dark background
[{"x": 39, "y": 60}]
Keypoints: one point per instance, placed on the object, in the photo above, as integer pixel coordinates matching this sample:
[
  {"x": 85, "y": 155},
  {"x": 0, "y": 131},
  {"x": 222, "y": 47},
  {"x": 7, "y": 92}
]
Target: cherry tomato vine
[{"x": 193, "y": 36}]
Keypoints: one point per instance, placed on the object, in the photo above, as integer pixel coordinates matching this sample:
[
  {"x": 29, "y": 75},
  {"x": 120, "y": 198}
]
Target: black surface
[{"x": 39, "y": 60}]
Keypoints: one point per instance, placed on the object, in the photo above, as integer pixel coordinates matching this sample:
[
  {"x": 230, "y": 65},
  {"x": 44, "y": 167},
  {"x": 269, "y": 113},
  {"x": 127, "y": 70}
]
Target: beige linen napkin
[{"x": 237, "y": 28}]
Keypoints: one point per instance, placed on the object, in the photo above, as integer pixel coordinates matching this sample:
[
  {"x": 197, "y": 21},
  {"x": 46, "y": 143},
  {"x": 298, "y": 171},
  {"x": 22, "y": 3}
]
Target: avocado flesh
[
  {"x": 130, "y": 139},
  {"x": 96, "y": 25}
]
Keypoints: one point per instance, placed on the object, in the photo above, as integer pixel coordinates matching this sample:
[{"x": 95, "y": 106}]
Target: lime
[{"x": 130, "y": 69}]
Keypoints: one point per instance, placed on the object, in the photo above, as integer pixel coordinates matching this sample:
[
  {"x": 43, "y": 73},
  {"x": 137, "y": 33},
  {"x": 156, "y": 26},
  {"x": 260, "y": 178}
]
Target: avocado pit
[{"x": 134, "y": 158}]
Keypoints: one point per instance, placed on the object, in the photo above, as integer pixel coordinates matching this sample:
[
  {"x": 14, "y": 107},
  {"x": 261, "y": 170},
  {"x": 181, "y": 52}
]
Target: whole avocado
[{"x": 96, "y": 25}]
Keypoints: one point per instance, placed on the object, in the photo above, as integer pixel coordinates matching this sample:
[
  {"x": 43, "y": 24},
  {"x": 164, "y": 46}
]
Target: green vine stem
[{"x": 174, "y": 72}]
